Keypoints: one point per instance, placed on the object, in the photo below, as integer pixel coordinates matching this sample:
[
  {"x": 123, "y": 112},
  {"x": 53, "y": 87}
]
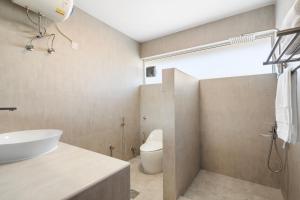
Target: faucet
[{"x": 9, "y": 108}]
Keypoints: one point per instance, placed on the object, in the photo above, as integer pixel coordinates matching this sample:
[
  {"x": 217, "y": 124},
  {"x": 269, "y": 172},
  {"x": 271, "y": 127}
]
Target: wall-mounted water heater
[{"x": 56, "y": 10}]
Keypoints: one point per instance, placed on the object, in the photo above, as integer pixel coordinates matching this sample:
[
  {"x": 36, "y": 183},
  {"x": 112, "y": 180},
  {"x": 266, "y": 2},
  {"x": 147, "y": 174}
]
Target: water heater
[{"x": 56, "y": 10}]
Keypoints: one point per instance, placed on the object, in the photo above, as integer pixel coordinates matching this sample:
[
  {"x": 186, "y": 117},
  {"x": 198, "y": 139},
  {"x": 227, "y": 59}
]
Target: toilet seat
[{"x": 151, "y": 146}]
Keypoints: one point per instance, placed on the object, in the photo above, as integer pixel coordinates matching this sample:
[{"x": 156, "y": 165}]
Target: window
[{"x": 228, "y": 61}]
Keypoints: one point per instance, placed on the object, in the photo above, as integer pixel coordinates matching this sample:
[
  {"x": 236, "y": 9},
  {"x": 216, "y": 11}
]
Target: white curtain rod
[{"x": 235, "y": 40}]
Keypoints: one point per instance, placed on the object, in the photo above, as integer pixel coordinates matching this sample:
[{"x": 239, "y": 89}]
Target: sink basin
[{"x": 23, "y": 145}]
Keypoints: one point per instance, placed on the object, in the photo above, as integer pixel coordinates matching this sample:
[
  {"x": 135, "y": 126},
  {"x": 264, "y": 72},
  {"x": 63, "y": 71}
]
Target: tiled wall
[
  {"x": 86, "y": 93},
  {"x": 233, "y": 114},
  {"x": 290, "y": 182},
  {"x": 181, "y": 131},
  {"x": 150, "y": 109},
  {"x": 291, "y": 177}
]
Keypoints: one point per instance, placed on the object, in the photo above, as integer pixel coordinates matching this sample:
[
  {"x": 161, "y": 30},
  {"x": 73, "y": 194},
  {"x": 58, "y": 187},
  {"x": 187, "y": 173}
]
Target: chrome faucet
[{"x": 9, "y": 108}]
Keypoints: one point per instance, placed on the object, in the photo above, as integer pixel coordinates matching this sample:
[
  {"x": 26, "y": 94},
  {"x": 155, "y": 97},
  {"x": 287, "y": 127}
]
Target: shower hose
[{"x": 273, "y": 144}]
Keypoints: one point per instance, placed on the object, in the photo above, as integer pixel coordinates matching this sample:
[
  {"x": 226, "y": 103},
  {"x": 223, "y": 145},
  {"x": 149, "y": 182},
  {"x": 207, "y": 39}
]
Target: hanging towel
[
  {"x": 291, "y": 20},
  {"x": 284, "y": 106}
]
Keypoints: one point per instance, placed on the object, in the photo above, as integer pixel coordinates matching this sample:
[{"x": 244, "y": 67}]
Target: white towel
[
  {"x": 296, "y": 6},
  {"x": 291, "y": 20},
  {"x": 284, "y": 108}
]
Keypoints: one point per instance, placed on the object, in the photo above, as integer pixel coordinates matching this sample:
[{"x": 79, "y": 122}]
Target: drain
[{"x": 133, "y": 194}]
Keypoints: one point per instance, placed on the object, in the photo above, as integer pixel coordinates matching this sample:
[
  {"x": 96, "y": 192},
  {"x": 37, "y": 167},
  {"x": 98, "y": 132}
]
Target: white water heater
[{"x": 56, "y": 10}]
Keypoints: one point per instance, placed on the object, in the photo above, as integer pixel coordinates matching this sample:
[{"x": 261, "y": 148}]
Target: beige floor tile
[
  {"x": 212, "y": 186},
  {"x": 206, "y": 186},
  {"x": 150, "y": 187}
]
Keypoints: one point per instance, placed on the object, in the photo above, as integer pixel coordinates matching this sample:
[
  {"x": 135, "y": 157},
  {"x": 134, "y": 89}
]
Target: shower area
[{"x": 219, "y": 127}]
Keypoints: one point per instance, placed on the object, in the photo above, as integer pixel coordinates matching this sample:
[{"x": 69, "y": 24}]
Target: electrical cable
[
  {"x": 74, "y": 45},
  {"x": 64, "y": 35}
]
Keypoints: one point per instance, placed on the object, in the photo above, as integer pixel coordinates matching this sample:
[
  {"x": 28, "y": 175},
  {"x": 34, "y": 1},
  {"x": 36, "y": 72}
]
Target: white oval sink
[{"x": 23, "y": 145}]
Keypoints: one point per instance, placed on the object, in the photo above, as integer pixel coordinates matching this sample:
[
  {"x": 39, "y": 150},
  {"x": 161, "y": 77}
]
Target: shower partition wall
[
  {"x": 180, "y": 112},
  {"x": 213, "y": 125}
]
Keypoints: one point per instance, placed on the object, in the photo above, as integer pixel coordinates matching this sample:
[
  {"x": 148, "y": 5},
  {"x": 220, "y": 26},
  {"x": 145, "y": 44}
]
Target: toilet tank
[{"x": 155, "y": 136}]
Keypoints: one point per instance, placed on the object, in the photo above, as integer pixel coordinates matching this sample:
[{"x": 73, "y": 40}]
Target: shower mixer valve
[{"x": 274, "y": 131}]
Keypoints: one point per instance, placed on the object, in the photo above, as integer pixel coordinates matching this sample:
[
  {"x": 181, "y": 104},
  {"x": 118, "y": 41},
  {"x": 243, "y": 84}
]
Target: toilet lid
[{"x": 152, "y": 146}]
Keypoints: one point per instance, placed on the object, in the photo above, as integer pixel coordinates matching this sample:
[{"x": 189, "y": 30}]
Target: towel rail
[
  {"x": 281, "y": 58},
  {"x": 288, "y": 31}
]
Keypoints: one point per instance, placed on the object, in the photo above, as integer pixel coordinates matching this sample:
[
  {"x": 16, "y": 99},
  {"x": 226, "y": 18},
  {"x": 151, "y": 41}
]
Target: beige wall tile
[
  {"x": 181, "y": 132},
  {"x": 187, "y": 130},
  {"x": 150, "y": 109},
  {"x": 85, "y": 92},
  {"x": 290, "y": 182},
  {"x": 233, "y": 114},
  {"x": 169, "y": 143}
]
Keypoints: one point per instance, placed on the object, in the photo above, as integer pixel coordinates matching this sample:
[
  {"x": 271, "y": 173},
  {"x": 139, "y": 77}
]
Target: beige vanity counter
[{"x": 67, "y": 173}]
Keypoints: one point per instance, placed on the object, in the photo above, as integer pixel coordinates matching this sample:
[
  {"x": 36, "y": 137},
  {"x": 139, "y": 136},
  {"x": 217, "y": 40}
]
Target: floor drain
[{"x": 133, "y": 194}]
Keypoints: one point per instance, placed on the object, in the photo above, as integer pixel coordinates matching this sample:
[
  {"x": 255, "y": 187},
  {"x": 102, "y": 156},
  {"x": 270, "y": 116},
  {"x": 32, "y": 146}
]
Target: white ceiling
[{"x": 144, "y": 20}]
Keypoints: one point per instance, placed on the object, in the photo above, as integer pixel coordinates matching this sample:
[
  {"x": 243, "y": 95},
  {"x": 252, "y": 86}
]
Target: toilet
[{"x": 152, "y": 153}]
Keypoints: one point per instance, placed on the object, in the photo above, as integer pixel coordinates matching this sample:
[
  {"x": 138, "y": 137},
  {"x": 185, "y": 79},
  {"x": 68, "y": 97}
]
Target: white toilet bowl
[{"x": 152, "y": 153}]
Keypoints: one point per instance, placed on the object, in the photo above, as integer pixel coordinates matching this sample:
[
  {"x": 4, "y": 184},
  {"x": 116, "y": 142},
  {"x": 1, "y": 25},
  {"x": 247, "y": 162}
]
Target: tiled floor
[
  {"x": 150, "y": 187},
  {"x": 212, "y": 186},
  {"x": 206, "y": 186}
]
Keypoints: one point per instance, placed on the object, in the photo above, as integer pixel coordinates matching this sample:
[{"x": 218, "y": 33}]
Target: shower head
[{"x": 242, "y": 39}]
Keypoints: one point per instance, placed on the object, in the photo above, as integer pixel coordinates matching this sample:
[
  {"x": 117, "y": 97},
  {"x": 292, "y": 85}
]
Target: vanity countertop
[{"x": 61, "y": 174}]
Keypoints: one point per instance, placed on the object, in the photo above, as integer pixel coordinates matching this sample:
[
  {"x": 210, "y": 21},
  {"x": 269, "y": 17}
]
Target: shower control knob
[
  {"x": 123, "y": 124},
  {"x": 274, "y": 129}
]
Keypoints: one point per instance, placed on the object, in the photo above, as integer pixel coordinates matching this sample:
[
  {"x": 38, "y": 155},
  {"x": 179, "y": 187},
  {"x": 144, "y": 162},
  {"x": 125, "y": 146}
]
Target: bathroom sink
[{"x": 23, "y": 145}]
